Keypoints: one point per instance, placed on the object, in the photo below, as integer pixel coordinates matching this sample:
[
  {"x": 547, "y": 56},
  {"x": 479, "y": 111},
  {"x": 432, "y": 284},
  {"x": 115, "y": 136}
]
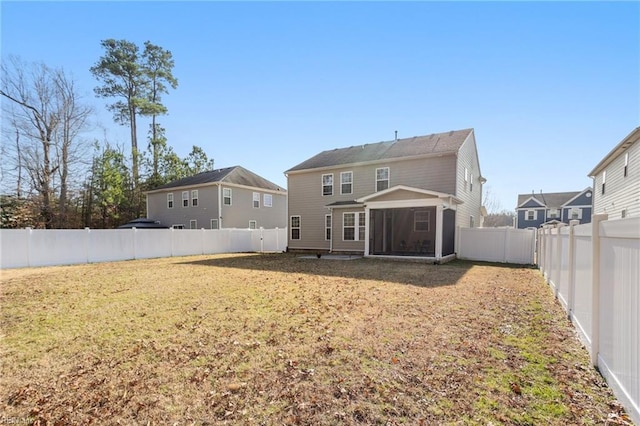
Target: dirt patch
[{"x": 272, "y": 339}]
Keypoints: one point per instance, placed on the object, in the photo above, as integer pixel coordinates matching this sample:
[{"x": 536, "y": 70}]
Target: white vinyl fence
[
  {"x": 505, "y": 245},
  {"x": 594, "y": 271},
  {"x": 40, "y": 247}
]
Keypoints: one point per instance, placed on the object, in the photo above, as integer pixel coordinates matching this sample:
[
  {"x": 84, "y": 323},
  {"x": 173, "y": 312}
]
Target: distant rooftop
[{"x": 237, "y": 175}]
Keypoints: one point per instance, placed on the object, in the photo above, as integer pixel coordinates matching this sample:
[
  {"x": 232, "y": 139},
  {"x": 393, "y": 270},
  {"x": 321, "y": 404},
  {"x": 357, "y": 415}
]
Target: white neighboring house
[{"x": 616, "y": 180}]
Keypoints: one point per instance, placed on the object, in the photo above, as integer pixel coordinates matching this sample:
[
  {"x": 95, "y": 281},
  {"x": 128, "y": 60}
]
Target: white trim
[
  {"x": 436, "y": 195},
  {"x": 540, "y": 204}
]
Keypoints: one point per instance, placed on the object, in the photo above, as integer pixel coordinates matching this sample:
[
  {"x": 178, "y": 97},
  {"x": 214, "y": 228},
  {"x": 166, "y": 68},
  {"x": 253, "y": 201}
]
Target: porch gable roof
[{"x": 414, "y": 193}]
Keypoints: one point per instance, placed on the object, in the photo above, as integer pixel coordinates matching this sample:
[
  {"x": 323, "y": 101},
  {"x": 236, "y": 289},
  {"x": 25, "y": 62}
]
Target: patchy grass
[{"x": 273, "y": 339}]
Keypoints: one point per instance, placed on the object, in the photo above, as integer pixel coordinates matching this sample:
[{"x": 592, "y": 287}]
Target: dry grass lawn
[{"x": 275, "y": 339}]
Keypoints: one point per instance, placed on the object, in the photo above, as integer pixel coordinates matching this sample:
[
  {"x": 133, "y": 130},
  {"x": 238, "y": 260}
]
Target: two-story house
[
  {"x": 233, "y": 197},
  {"x": 616, "y": 180},
  {"x": 539, "y": 209},
  {"x": 403, "y": 197}
]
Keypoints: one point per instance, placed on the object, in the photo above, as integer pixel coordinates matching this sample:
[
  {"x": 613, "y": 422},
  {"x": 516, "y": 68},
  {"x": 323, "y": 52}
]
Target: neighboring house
[
  {"x": 616, "y": 180},
  {"x": 402, "y": 197},
  {"x": 539, "y": 209},
  {"x": 224, "y": 198}
]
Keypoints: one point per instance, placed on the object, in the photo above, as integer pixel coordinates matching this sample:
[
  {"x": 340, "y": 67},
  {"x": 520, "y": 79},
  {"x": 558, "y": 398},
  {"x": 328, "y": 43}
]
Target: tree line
[{"x": 54, "y": 174}]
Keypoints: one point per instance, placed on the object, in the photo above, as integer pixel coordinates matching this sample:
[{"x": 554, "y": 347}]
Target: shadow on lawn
[{"x": 401, "y": 272}]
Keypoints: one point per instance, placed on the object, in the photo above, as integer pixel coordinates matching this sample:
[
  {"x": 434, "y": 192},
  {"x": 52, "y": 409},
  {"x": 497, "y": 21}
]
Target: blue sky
[{"x": 549, "y": 87}]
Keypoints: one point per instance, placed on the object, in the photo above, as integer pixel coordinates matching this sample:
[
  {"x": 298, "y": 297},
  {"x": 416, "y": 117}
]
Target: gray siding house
[
  {"x": 398, "y": 198},
  {"x": 233, "y": 197},
  {"x": 616, "y": 180},
  {"x": 534, "y": 210}
]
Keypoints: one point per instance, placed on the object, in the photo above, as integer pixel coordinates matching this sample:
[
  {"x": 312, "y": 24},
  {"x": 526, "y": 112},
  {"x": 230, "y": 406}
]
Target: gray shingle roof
[
  {"x": 437, "y": 143},
  {"x": 552, "y": 200},
  {"x": 237, "y": 175}
]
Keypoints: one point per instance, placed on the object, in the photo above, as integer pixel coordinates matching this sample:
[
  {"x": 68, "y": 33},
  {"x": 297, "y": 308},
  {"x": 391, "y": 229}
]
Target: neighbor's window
[
  {"x": 466, "y": 174},
  {"x": 256, "y": 200},
  {"x": 177, "y": 226},
  {"x": 576, "y": 213},
  {"x": 295, "y": 227},
  {"x": 553, "y": 213},
  {"x": 193, "y": 224},
  {"x": 327, "y": 184},
  {"x": 421, "y": 220},
  {"x": 185, "y": 198},
  {"x": 194, "y": 198},
  {"x": 253, "y": 224},
  {"x": 472, "y": 222},
  {"x": 226, "y": 196},
  {"x": 353, "y": 226},
  {"x": 626, "y": 165},
  {"x": 530, "y": 215},
  {"x": 604, "y": 180},
  {"x": 327, "y": 227},
  {"x": 214, "y": 223},
  {"x": 346, "y": 182},
  {"x": 471, "y": 182},
  {"x": 170, "y": 200},
  {"x": 382, "y": 178},
  {"x": 623, "y": 213},
  {"x": 267, "y": 200}
]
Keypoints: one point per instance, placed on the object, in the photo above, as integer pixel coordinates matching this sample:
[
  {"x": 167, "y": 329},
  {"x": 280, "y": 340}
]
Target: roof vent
[{"x": 396, "y": 137}]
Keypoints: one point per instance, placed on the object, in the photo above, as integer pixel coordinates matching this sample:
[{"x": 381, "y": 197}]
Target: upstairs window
[
  {"x": 194, "y": 198},
  {"x": 267, "y": 200},
  {"x": 256, "y": 200},
  {"x": 170, "y": 200},
  {"x": 185, "y": 198},
  {"x": 576, "y": 213},
  {"x": 382, "y": 178},
  {"x": 604, "y": 180},
  {"x": 226, "y": 196},
  {"x": 327, "y": 184},
  {"x": 346, "y": 182},
  {"x": 553, "y": 213},
  {"x": 530, "y": 215},
  {"x": 471, "y": 182}
]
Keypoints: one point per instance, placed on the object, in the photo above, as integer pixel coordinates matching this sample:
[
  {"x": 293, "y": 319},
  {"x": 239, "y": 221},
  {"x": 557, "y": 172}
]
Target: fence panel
[
  {"x": 563, "y": 267},
  {"x": 582, "y": 314},
  {"x": 14, "y": 247},
  {"x": 619, "y": 355},
  {"x": 107, "y": 245},
  {"x": 158, "y": 243},
  {"x": 505, "y": 245}
]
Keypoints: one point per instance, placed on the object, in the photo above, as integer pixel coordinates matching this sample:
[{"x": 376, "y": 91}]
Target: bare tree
[{"x": 47, "y": 117}]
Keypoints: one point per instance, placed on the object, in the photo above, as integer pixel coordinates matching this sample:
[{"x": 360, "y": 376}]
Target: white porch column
[
  {"x": 439, "y": 221},
  {"x": 367, "y": 237}
]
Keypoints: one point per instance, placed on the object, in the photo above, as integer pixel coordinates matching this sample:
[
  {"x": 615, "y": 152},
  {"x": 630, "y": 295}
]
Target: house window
[
  {"x": 170, "y": 200},
  {"x": 553, "y": 213},
  {"x": 353, "y": 226},
  {"x": 256, "y": 200},
  {"x": 327, "y": 227},
  {"x": 623, "y": 213},
  {"x": 421, "y": 220},
  {"x": 295, "y": 227},
  {"x": 253, "y": 224},
  {"x": 472, "y": 222},
  {"x": 267, "y": 200},
  {"x": 327, "y": 184},
  {"x": 177, "y": 226},
  {"x": 214, "y": 223},
  {"x": 185, "y": 198},
  {"x": 382, "y": 178},
  {"x": 194, "y": 198},
  {"x": 471, "y": 182},
  {"x": 531, "y": 215},
  {"x": 576, "y": 213},
  {"x": 226, "y": 196},
  {"x": 466, "y": 174},
  {"x": 604, "y": 180},
  {"x": 193, "y": 224},
  {"x": 346, "y": 182},
  {"x": 626, "y": 164}
]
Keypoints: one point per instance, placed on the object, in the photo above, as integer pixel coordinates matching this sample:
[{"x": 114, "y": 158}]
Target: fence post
[
  {"x": 29, "y": 234},
  {"x": 261, "y": 239},
  {"x": 135, "y": 248},
  {"x": 595, "y": 286},
  {"x": 558, "y": 274},
  {"x": 572, "y": 269},
  {"x": 87, "y": 241}
]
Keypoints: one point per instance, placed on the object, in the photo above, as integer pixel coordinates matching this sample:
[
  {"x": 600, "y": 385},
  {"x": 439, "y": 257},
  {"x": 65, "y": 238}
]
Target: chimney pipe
[{"x": 396, "y": 135}]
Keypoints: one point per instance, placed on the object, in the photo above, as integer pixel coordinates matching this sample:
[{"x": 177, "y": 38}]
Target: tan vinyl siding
[
  {"x": 206, "y": 209},
  {"x": 237, "y": 215},
  {"x": 306, "y": 199},
  {"x": 472, "y": 199},
  {"x": 620, "y": 192}
]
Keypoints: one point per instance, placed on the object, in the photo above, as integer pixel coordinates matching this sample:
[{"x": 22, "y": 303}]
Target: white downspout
[{"x": 219, "y": 206}]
